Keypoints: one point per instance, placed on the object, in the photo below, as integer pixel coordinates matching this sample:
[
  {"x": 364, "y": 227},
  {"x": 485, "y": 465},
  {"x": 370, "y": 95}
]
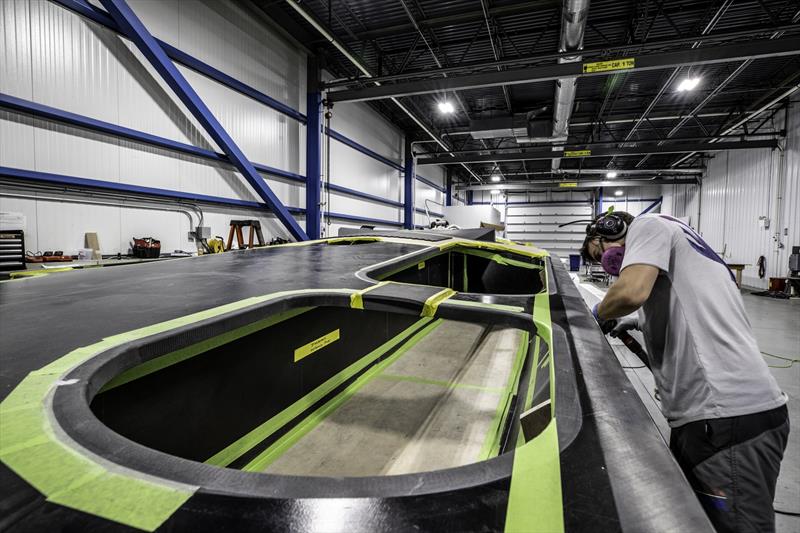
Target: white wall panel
[
  {"x": 15, "y": 44},
  {"x": 55, "y": 57},
  {"x": 740, "y": 187}
]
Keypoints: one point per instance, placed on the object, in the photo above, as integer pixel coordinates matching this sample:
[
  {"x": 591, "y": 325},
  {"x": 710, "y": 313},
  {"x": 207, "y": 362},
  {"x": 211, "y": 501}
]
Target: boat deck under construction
[{"x": 384, "y": 381}]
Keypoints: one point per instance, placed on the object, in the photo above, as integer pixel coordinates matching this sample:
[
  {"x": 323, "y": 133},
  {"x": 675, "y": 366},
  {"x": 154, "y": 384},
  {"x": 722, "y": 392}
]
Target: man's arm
[{"x": 629, "y": 292}]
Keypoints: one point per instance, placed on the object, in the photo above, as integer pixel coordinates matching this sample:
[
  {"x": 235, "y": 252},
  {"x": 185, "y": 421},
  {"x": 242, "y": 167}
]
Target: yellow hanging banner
[
  {"x": 577, "y": 153},
  {"x": 568, "y": 184},
  {"x": 315, "y": 345},
  {"x": 605, "y": 66}
]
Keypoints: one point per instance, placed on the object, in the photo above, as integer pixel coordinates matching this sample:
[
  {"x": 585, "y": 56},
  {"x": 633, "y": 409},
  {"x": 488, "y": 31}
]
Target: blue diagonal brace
[{"x": 133, "y": 28}]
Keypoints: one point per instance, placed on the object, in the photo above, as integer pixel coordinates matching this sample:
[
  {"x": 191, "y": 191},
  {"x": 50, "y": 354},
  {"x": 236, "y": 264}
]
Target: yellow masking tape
[
  {"x": 605, "y": 66},
  {"x": 357, "y": 300},
  {"x": 432, "y": 303},
  {"x": 316, "y": 345}
]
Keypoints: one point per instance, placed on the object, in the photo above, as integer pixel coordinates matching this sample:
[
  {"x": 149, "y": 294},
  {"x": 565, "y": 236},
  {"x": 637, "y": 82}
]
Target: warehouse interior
[{"x": 349, "y": 265}]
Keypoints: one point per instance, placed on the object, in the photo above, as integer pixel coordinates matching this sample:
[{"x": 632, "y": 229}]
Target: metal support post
[
  {"x": 313, "y": 149},
  {"x": 133, "y": 29},
  {"x": 448, "y": 195},
  {"x": 408, "y": 186}
]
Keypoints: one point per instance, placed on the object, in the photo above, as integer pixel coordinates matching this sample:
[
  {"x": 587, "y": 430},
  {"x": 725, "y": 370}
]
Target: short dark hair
[{"x": 587, "y": 258}]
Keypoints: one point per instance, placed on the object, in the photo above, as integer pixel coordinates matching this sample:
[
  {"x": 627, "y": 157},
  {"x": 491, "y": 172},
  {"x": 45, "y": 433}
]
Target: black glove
[{"x": 622, "y": 325}]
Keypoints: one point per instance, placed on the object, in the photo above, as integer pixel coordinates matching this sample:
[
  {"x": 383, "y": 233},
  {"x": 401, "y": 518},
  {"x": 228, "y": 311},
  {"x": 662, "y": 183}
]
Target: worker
[{"x": 728, "y": 417}]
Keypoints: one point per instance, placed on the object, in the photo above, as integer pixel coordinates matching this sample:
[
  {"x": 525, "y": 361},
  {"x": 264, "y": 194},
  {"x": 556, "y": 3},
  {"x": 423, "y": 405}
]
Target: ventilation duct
[
  {"x": 528, "y": 127},
  {"x": 573, "y": 25}
]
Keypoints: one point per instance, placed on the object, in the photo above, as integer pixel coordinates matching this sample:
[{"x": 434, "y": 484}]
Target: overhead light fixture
[
  {"x": 611, "y": 174},
  {"x": 495, "y": 178},
  {"x": 495, "y": 192},
  {"x": 618, "y": 192},
  {"x": 688, "y": 84},
  {"x": 446, "y": 108}
]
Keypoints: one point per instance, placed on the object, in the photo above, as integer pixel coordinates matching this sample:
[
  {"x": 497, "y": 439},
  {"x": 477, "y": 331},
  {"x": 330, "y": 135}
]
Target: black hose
[{"x": 762, "y": 266}]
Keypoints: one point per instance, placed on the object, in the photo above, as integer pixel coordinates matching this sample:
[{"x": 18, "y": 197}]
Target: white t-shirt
[{"x": 702, "y": 351}]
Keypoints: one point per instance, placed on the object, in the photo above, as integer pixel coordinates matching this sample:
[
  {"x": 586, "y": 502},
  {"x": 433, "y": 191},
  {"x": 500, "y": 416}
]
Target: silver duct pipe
[{"x": 573, "y": 25}]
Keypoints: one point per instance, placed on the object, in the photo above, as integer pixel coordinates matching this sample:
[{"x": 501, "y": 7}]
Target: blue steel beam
[
  {"x": 81, "y": 121},
  {"x": 86, "y": 183},
  {"x": 651, "y": 206},
  {"x": 313, "y": 149},
  {"x": 408, "y": 187},
  {"x": 83, "y": 8},
  {"x": 134, "y": 29}
]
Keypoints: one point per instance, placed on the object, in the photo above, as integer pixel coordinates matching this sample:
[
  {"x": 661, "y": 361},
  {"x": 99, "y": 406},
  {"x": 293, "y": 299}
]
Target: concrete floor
[
  {"x": 432, "y": 408},
  {"x": 776, "y": 324}
]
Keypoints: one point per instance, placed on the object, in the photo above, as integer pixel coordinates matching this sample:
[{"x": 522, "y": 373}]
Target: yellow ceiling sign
[
  {"x": 568, "y": 184},
  {"x": 577, "y": 153},
  {"x": 605, "y": 66}
]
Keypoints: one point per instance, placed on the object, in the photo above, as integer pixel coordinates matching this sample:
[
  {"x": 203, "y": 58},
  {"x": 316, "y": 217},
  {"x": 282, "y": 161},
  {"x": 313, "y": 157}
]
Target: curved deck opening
[
  {"x": 323, "y": 390},
  {"x": 473, "y": 270}
]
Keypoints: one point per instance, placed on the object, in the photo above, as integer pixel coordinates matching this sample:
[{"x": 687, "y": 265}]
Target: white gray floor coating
[
  {"x": 776, "y": 324},
  {"x": 432, "y": 408}
]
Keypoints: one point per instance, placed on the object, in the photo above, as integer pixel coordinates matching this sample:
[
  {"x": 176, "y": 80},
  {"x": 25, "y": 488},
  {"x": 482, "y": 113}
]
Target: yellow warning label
[
  {"x": 318, "y": 344},
  {"x": 568, "y": 184},
  {"x": 577, "y": 153},
  {"x": 605, "y": 66},
  {"x": 421, "y": 265}
]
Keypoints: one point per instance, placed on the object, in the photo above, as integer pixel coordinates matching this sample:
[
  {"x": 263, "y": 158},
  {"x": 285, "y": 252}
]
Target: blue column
[
  {"x": 448, "y": 195},
  {"x": 600, "y": 201},
  {"x": 408, "y": 187},
  {"x": 469, "y": 197},
  {"x": 313, "y": 150},
  {"x": 132, "y": 28}
]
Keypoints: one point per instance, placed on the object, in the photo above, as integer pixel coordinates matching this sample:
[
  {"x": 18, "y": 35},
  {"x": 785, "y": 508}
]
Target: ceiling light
[
  {"x": 618, "y": 192},
  {"x": 446, "y": 108},
  {"x": 688, "y": 84},
  {"x": 495, "y": 178},
  {"x": 495, "y": 192},
  {"x": 611, "y": 174}
]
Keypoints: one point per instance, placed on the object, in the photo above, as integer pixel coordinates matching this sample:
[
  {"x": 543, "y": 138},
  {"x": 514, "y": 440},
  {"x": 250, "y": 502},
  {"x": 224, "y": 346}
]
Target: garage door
[{"x": 538, "y": 223}]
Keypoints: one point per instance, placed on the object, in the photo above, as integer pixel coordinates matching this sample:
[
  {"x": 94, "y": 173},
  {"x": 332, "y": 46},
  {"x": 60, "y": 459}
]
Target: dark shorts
[{"x": 733, "y": 465}]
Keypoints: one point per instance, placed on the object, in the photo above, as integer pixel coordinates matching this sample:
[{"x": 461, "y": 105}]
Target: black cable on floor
[{"x": 788, "y": 513}]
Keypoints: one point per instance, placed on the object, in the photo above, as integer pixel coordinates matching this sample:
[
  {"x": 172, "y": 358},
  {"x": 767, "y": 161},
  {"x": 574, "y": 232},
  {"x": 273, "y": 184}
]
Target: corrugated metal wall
[
  {"x": 55, "y": 57},
  {"x": 740, "y": 192}
]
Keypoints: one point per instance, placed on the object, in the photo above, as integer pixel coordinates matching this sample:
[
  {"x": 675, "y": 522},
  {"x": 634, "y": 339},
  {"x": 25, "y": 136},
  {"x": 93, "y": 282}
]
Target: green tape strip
[
  {"x": 268, "y": 456},
  {"x": 441, "y": 383},
  {"x": 67, "y": 474},
  {"x": 160, "y": 363},
  {"x": 534, "y": 500},
  {"x": 432, "y": 303},
  {"x": 499, "y": 259},
  {"x": 247, "y": 442},
  {"x": 357, "y": 298},
  {"x": 491, "y": 444}
]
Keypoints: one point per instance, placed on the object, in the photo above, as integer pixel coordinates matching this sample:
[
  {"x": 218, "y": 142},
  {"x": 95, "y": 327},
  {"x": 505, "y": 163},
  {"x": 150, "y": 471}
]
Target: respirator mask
[{"x": 611, "y": 261}]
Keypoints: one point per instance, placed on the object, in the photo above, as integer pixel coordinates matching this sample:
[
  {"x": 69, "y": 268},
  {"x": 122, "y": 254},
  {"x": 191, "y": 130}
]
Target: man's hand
[{"x": 622, "y": 325}]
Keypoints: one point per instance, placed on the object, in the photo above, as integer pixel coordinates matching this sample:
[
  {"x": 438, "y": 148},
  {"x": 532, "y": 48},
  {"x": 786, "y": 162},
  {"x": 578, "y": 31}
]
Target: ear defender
[{"x": 609, "y": 226}]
